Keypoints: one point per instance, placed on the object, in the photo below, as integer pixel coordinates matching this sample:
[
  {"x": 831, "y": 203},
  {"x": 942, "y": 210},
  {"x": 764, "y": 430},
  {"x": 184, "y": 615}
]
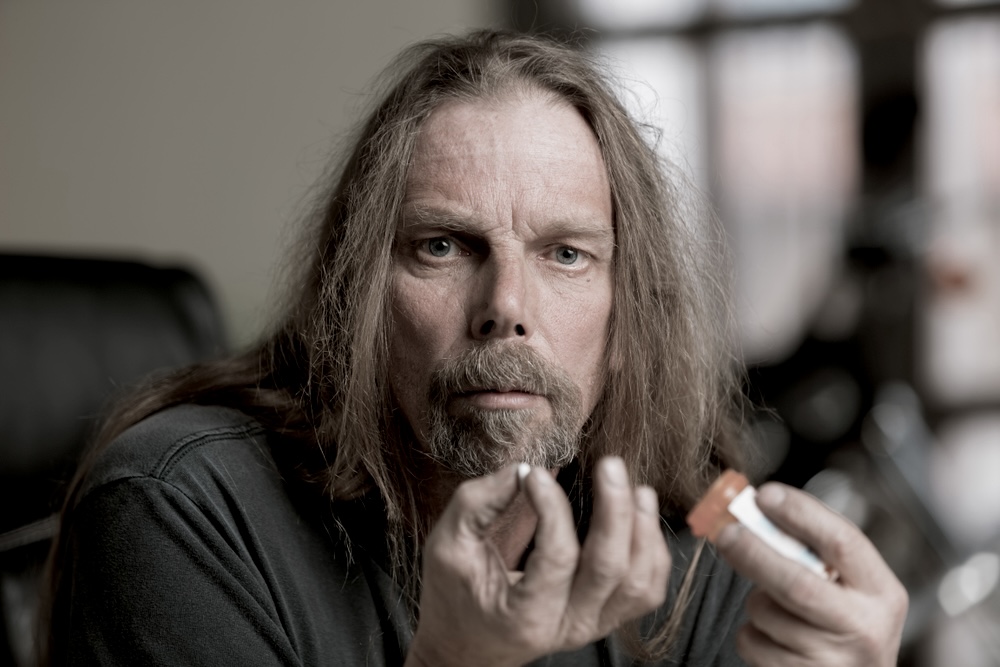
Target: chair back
[{"x": 73, "y": 333}]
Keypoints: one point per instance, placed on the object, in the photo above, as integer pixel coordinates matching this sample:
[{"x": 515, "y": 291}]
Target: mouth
[
  {"x": 498, "y": 398},
  {"x": 510, "y": 389}
]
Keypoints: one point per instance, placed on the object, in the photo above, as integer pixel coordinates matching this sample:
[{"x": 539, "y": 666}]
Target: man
[{"x": 499, "y": 275}]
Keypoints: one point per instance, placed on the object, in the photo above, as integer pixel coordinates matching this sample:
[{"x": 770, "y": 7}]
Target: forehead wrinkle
[{"x": 415, "y": 215}]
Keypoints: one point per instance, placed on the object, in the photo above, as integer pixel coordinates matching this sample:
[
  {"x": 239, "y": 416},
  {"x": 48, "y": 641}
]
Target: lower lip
[{"x": 500, "y": 400}]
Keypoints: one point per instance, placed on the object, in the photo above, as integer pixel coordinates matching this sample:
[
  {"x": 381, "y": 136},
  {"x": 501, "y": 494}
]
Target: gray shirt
[{"x": 189, "y": 546}]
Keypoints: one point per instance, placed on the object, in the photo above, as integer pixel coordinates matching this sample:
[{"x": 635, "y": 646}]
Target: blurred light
[
  {"x": 961, "y": 69},
  {"x": 787, "y": 155},
  {"x": 767, "y": 8},
  {"x": 967, "y": 3},
  {"x": 662, "y": 87},
  {"x": 630, "y": 14},
  {"x": 960, "y": 312},
  {"x": 893, "y": 422},
  {"x": 827, "y": 404},
  {"x": 836, "y": 489},
  {"x": 963, "y": 476},
  {"x": 773, "y": 440},
  {"x": 966, "y": 585}
]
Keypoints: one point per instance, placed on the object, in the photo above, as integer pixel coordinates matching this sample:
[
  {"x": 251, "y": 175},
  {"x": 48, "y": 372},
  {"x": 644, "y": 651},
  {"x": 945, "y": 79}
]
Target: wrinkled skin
[
  {"x": 473, "y": 611},
  {"x": 799, "y": 618}
]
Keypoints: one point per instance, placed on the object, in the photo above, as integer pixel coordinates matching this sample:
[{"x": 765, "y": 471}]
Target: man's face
[{"x": 502, "y": 284}]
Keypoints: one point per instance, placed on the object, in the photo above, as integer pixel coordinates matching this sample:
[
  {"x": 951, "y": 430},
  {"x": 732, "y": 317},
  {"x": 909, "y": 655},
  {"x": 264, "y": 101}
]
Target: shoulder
[
  {"x": 182, "y": 442},
  {"x": 184, "y": 539}
]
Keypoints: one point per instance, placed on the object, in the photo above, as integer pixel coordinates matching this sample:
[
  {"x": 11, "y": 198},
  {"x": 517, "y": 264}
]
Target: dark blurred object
[
  {"x": 815, "y": 403},
  {"x": 884, "y": 484},
  {"x": 861, "y": 336},
  {"x": 917, "y": 542},
  {"x": 887, "y": 131},
  {"x": 73, "y": 333}
]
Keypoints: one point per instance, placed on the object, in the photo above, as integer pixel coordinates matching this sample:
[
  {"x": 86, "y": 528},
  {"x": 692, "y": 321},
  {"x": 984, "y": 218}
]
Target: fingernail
[
  {"x": 770, "y": 495},
  {"x": 614, "y": 471},
  {"x": 728, "y": 535},
  {"x": 645, "y": 498}
]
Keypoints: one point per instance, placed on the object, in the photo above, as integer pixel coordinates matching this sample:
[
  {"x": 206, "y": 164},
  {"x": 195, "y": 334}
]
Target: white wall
[{"x": 188, "y": 131}]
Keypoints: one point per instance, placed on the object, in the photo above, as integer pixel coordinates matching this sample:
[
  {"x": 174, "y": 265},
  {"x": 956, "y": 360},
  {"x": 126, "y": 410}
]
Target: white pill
[{"x": 523, "y": 469}]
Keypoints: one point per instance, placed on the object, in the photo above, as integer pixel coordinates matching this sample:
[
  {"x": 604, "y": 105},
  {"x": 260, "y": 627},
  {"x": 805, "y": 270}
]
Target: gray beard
[{"x": 479, "y": 442}]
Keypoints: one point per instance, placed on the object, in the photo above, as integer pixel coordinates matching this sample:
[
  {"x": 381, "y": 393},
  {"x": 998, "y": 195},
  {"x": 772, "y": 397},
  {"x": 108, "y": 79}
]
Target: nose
[{"x": 504, "y": 301}]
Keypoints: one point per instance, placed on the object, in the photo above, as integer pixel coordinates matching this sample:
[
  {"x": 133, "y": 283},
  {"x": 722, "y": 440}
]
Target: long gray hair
[
  {"x": 668, "y": 407},
  {"x": 668, "y": 401}
]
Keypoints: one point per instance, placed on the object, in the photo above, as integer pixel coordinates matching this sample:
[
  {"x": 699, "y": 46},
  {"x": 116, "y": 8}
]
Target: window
[
  {"x": 786, "y": 160},
  {"x": 960, "y": 310}
]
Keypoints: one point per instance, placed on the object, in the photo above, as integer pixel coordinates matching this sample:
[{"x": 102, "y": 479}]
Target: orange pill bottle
[{"x": 732, "y": 499}]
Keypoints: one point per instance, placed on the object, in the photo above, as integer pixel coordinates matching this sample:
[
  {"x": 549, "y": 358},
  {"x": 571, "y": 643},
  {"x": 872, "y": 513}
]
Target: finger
[
  {"x": 835, "y": 539},
  {"x": 783, "y": 628},
  {"x": 606, "y": 554},
  {"x": 644, "y": 587},
  {"x": 548, "y": 573},
  {"x": 477, "y": 503},
  {"x": 758, "y": 650},
  {"x": 797, "y": 589}
]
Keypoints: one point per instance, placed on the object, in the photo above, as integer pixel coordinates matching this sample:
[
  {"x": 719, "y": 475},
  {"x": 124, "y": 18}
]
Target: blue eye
[
  {"x": 567, "y": 255},
  {"x": 439, "y": 247}
]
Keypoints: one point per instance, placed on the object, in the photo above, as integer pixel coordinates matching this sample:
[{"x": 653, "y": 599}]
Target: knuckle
[
  {"x": 533, "y": 636},
  {"x": 653, "y": 542},
  {"x": 606, "y": 571},
  {"x": 869, "y": 641},
  {"x": 435, "y": 550},
  {"x": 801, "y": 586},
  {"x": 464, "y": 495},
  {"x": 899, "y": 600},
  {"x": 579, "y": 633},
  {"x": 562, "y": 556},
  {"x": 652, "y": 598},
  {"x": 439, "y": 556},
  {"x": 656, "y": 595},
  {"x": 650, "y": 592},
  {"x": 637, "y": 595},
  {"x": 842, "y": 545},
  {"x": 804, "y": 591}
]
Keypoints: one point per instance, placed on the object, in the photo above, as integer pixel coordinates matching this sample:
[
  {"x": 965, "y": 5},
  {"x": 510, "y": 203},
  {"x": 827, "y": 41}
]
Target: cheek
[
  {"x": 585, "y": 330},
  {"x": 593, "y": 344},
  {"x": 423, "y": 321},
  {"x": 425, "y": 317}
]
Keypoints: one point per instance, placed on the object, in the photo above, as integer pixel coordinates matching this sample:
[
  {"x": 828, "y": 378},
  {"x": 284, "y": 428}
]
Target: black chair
[{"x": 74, "y": 332}]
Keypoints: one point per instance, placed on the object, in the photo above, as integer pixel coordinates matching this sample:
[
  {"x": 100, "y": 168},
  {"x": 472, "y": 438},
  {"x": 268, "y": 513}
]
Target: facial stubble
[{"x": 477, "y": 441}]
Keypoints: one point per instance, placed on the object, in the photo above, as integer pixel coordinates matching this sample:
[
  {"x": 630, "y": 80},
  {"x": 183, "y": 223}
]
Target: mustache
[
  {"x": 478, "y": 442},
  {"x": 499, "y": 367}
]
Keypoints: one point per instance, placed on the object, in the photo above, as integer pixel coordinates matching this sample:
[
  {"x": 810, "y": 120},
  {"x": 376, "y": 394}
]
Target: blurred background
[{"x": 850, "y": 148}]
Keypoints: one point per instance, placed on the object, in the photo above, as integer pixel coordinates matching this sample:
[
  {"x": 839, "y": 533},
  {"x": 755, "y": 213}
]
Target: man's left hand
[{"x": 799, "y": 618}]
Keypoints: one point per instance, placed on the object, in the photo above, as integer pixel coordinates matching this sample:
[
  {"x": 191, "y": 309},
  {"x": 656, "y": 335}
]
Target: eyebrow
[
  {"x": 446, "y": 220},
  {"x": 423, "y": 216}
]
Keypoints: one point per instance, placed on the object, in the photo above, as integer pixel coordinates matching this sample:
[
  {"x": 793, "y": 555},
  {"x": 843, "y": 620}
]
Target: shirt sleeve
[{"x": 154, "y": 579}]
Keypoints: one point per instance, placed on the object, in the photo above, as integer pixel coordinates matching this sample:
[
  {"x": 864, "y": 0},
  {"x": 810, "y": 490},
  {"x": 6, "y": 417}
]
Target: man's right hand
[{"x": 472, "y": 611}]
